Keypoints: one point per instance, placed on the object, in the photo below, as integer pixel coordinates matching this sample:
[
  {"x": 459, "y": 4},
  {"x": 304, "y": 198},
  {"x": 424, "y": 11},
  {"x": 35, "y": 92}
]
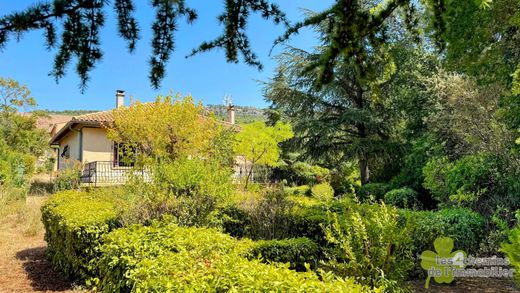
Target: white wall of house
[
  {"x": 96, "y": 145},
  {"x": 72, "y": 140}
]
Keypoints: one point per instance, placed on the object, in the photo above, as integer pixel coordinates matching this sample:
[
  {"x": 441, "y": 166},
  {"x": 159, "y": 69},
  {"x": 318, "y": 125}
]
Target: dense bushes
[
  {"x": 368, "y": 243},
  {"x": 74, "y": 222},
  {"x": 322, "y": 191},
  {"x": 480, "y": 182},
  {"x": 403, "y": 197},
  {"x": 15, "y": 168},
  {"x": 377, "y": 190},
  {"x": 191, "y": 190},
  {"x": 300, "y": 173},
  {"x": 295, "y": 251},
  {"x": 463, "y": 225},
  {"x": 512, "y": 248},
  {"x": 167, "y": 258}
]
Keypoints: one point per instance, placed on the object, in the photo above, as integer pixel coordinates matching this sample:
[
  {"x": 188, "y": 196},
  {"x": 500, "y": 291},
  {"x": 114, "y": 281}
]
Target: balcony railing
[{"x": 104, "y": 173}]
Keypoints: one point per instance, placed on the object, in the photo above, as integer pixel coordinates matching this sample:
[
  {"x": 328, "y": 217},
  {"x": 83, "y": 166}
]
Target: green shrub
[
  {"x": 403, "y": 198},
  {"x": 167, "y": 258},
  {"x": 235, "y": 221},
  {"x": 194, "y": 187},
  {"x": 74, "y": 222},
  {"x": 463, "y": 225},
  {"x": 68, "y": 179},
  {"x": 377, "y": 190},
  {"x": 303, "y": 190},
  {"x": 16, "y": 168},
  {"x": 476, "y": 181},
  {"x": 511, "y": 248},
  {"x": 301, "y": 173},
  {"x": 322, "y": 191},
  {"x": 295, "y": 251},
  {"x": 368, "y": 243}
]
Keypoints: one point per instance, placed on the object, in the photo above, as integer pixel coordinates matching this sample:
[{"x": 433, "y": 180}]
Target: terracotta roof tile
[{"x": 97, "y": 117}]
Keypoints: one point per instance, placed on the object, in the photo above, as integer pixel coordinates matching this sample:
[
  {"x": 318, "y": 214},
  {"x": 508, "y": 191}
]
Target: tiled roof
[{"x": 97, "y": 117}]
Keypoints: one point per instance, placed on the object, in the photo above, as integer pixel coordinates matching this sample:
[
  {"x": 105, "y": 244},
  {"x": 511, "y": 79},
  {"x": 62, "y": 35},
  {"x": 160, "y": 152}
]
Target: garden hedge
[
  {"x": 465, "y": 226},
  {"x": 168, "y": 258},
  {"x": 296, "y": 251},
  {"x": 86, "y": 242},
  {"x": 74, "y": 222}
]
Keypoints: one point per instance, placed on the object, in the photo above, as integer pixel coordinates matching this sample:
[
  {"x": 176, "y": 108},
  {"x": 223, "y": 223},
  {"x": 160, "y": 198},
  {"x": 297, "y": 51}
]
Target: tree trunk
[
  {"x": 362, "y": 132},
  {"x": 363, "y": 170}
]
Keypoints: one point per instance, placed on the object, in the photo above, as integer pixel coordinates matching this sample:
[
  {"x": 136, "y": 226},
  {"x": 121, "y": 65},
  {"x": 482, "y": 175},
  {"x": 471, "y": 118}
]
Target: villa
[{"x": 83, "y": 142}]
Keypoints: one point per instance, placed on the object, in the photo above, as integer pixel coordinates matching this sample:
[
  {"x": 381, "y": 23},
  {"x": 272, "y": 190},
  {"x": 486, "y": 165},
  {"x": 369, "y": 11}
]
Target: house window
[
  {"x": 66, "y": 152},
  {"x": 124, "y": 155}
]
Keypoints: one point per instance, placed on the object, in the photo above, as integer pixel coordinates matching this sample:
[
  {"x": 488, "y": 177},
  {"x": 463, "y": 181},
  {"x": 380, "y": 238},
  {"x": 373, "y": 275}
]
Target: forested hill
[{"x": 243, "y": 114}]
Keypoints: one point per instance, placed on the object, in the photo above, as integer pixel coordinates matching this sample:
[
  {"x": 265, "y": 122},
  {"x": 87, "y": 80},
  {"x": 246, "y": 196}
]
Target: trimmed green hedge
[
  {"x": 295, "y": 251},
  {"x": 74, "y": 221},
  {"x": 83, "y": 242},
  {"x": 168, "y": 258},
  {"x": 465, "y": 226}
]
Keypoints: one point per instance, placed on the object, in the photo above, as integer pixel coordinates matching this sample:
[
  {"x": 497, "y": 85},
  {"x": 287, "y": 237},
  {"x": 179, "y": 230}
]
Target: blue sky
[{"x": 207, "y": 76}]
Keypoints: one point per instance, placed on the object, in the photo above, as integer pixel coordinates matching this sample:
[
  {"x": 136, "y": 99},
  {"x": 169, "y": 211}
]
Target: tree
[
  {"x": 20, "y": 141},
  {"x": 355, "y": 116},
  {"x": 19, "y": 132},
  {"x": 171, "y": 128},
  {"x": 258, "y": 144},
  {"x": 355, "y": 26}
]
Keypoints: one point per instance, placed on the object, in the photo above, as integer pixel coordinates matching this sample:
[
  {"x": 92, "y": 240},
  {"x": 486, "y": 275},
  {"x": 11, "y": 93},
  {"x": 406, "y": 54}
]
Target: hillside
[{"x": 243, "y": 114}]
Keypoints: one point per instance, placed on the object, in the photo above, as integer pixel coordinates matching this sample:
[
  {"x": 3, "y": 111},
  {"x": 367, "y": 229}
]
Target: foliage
[
  {"x": 20, "y": 141},
  {"x": 266, "y": 214},
  {"x": 482, "y": 182},
  {"x": 302, "y": 173},
  {"x": 74, "y": 222},
  {"x": 167, "y": 129},
  {"x": 322, "y": 191},
  {"x": 169, "y": 258},
  {"x": 257, "y": 144},
  {"x": 243, "y": 114},
  {"x": 472, "y": 113},
  {"x": 196, "y": 186},
  {"x": 16, "y": 168},
  {"x": 377, "y": 190},
  {"x": 403, "y": 198},
  {"x": 68, "y": 179},
  {"x": 298, "y": 252},
  {"x": 369, "y": 244},
  {"x": 303, "y": 190},
  {"x": 466, "y": 227},
  {"x": 511, "y": 248}
]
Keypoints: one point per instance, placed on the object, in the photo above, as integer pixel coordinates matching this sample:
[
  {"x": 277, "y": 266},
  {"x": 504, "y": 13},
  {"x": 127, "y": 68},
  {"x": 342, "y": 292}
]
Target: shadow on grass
[{"x": 40, "y": 272}]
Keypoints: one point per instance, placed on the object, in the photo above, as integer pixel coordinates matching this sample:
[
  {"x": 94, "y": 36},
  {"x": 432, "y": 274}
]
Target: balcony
[{"x": 106, "y": 173}]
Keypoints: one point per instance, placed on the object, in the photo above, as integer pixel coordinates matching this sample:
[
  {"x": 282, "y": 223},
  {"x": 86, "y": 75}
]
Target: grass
[{"x": 23, "y": 266}]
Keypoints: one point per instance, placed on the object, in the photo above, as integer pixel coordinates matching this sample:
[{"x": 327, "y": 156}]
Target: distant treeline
[
  {"x": 70, "y": 112},
  {"x": 243, "y": 114}
]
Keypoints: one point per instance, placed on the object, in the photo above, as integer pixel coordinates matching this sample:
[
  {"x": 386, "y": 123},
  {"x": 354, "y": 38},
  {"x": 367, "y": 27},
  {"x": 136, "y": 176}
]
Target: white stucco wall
[{"x": 96, "y": 145}]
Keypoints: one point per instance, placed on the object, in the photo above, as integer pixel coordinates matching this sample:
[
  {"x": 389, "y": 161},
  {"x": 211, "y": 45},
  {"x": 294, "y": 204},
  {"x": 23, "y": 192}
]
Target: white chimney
[
  {"x": 231, "y": 114},
  {"x": 120, "y": 98}
]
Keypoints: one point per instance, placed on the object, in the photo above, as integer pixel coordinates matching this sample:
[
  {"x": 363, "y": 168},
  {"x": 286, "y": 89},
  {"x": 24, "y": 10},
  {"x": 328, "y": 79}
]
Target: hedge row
[
  {"x": 298, "y": 252},
  {"x": 168, "y": 258},
  {"x": 84, "y": 243},
  {"x": 74, "y": 222},
  {"x": 466, "y": 227}
]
